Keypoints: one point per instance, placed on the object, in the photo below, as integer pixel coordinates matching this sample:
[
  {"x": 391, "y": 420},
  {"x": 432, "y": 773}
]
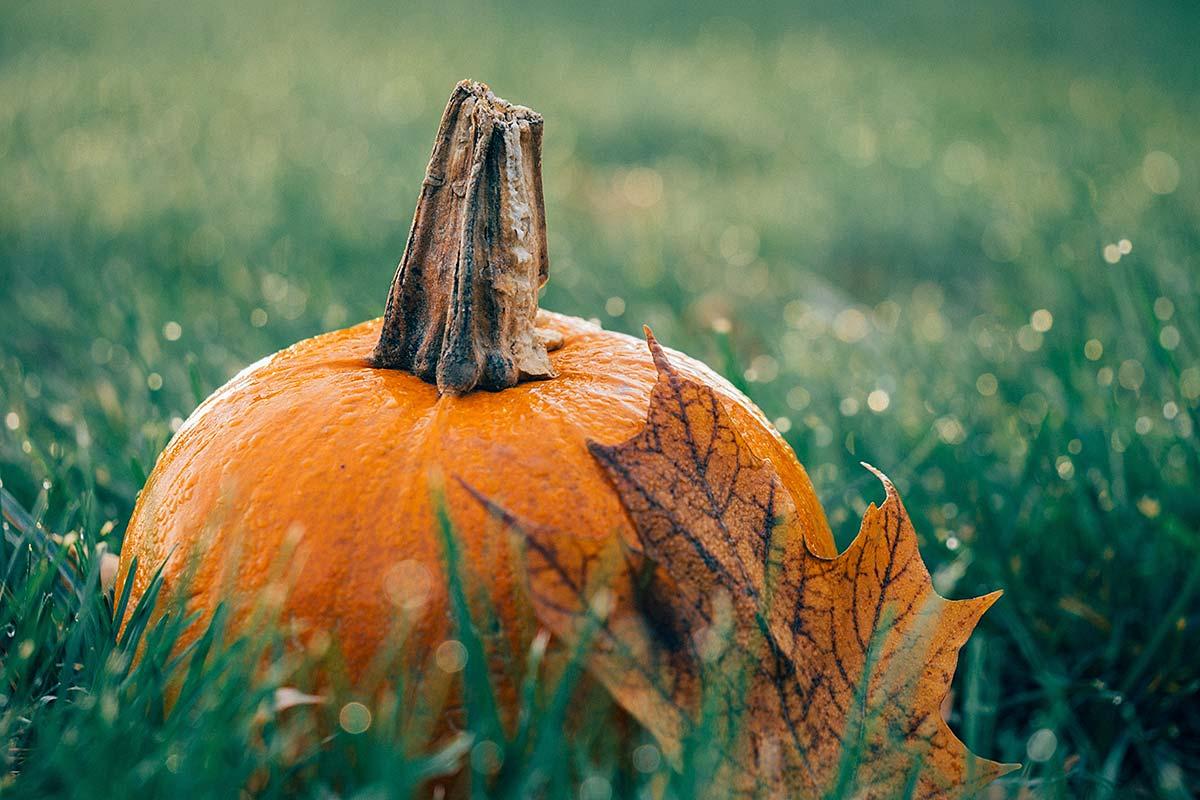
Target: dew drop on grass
[
  {"x": 408, "y": 585},
  {"x": 1131, "y": 374},
  {"x": 1065, "y": 468},
  {"x": 1029, "y": 339},
  {"x": 646, "y": 758},
  {"x": 595, "y": 787},
  {"x": 487, "y": 757},
  {"x": 1041, "y": 745},
  {"x": 1164, "y": 309},
  {"x": 1160, "y": 172},
  {"x": 798, "y": 398},
  {"x": 354, "y": 717},
  {"x": 451, "y": 656}
]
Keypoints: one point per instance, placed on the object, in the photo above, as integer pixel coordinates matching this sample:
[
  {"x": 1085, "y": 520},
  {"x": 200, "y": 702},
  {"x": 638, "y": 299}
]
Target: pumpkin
[{"x": 328, "y": 455}]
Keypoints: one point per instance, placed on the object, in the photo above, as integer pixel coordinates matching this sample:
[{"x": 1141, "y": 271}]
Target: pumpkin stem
[{"x": 462, "y": 308}]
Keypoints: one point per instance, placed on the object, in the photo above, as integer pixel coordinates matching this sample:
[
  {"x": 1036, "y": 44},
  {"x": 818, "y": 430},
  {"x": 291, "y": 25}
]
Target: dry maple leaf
[{"x": 789, "y": 674}]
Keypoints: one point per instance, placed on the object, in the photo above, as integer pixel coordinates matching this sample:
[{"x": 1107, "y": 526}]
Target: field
[{"x": 960, "y": 247}]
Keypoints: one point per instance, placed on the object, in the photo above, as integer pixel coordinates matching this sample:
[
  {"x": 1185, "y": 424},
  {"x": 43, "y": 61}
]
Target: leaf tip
[
  {"x": 968, "y": 612},
  {"x": 989, "y": 599},
  {"x": 603, "y": 453},
  {"x": 888, "y": 486},
  {"x": 494, "y": 509},
  {"x": 656, "y": 351},
  {"x": 984, "y": 602}
]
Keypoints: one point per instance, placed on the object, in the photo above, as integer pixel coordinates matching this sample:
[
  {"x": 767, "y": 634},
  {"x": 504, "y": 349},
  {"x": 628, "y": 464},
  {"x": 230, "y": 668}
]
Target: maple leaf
[{"x": 809, "y": 676}]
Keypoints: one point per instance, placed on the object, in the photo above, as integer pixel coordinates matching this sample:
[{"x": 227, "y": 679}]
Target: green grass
[
  {"x": 84, "y": 719},
  {"x": 904, "y": 220}
]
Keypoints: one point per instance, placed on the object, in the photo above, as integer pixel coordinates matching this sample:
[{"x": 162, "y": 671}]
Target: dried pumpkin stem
[{"x": 462, "y": 308}]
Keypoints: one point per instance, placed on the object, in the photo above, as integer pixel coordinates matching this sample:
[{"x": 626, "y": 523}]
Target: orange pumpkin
[{"x": 325, "y": 450}]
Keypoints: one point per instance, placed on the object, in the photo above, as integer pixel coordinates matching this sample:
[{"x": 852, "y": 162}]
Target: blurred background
[{"x": 958, "y": 241}]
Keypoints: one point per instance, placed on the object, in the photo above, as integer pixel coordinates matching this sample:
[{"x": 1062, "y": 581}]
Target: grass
[{"x": 960, "y": 248}]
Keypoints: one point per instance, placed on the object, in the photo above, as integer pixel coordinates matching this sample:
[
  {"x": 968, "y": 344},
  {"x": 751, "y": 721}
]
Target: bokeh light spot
[
  {"x": 1160, "y": 172},
  {"x": 354, "y": 717},
  {"x": 646, "y": 758},
  {"x": 450, "y": 656},
  {"x": 1041, "y": 745}
]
